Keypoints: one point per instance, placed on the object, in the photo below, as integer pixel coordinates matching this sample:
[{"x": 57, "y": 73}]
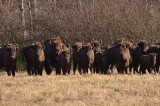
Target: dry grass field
[{"x": 76, "y": 90}]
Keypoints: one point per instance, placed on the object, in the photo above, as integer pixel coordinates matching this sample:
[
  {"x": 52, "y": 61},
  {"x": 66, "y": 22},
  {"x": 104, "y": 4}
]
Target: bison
[
  {"x": 65, "y": 60},
  {"x": 137, "y": 52},
  {"x": 118, "y": 55},
  {"x": 75, "y": 55},
  {"x": 34, "y": 56},
  {"x": 147, "y": 62},
  {"x": 155, "y": 48},
  {"x": 53, "y": 49},
  {"x": 98, "y": 56},
  {"x": 86, "y": 58},
  {"x": 8, "y": 58}
]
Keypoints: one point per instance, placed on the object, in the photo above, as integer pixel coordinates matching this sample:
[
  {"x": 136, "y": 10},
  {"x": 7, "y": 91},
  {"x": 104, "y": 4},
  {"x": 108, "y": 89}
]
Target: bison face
[
  {"x": 66, "y": 52},
  {"x": 56, "y": 44},
  {"x": 77, "y": 46},
  {"x": 96, "y": 45},
  {"x": 67, "y": 56},
  {"x": 12, "y": 49},
  {"x": 38, "y": 47},
  {"x": 143, "y": 44},
  {"x": 125, "y": 54}
]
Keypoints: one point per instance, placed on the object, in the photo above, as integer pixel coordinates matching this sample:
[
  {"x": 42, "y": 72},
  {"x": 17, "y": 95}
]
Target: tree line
[{"x": 23, "y": 21}]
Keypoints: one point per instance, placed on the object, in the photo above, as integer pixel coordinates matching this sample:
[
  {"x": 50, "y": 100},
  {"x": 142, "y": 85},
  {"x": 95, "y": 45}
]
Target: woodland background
[{"x": 23, "y": 21}]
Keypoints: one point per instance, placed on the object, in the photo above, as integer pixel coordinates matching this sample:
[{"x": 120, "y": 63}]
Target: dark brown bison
[
  {"x": 118, "y": 55},
  {"x": 147, "y": 62},
  {"x": 98, "y": 56},
  {"x": 86, "y": 59},
  {"x": 155, "y": 48},
  {"x": 75, "y": 55},
  {"x": 34, "y": 57},
  {"x": 136, "y": 53},
  {"x": 53, "y": 49},
  {"x": 65, "y": 60},
  {"x": 8, "y": 58}
]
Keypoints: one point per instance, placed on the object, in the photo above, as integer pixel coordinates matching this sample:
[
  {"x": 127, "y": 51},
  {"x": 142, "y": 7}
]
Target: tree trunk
[
  {"x": 23, "y": 20},
  {"x": 32, "y": 14}
]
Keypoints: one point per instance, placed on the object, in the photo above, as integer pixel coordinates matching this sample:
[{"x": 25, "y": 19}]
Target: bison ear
[
  {"x": 128, "y": 45},
  {"x": 149, "y": 43},
  {"x": 33, "y": 43},
  {"x": 101, "y": 41},
  {"x": 50, "y": 41},
  {"x": 8, "y": 48},
  {"x": 17, "y": 46},
  {"x": 92, "y": 44},
  {"x": 42, "y": 42},
  {"x": 132, "y": 41}
]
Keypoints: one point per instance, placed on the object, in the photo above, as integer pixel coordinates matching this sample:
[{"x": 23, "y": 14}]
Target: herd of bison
[{"x": 123, "y": 55}]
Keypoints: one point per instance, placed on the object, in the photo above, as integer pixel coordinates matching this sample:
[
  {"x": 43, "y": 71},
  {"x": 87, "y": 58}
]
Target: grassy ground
[{"x": 76, "y": 90}]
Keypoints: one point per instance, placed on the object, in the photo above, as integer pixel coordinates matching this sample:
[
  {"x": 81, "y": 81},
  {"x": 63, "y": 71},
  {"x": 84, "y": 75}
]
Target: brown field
[{"x": 88, "y": 90}]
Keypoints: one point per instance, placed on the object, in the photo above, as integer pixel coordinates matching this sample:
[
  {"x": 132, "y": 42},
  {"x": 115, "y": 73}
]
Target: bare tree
[{"x": 23, "y": 20}]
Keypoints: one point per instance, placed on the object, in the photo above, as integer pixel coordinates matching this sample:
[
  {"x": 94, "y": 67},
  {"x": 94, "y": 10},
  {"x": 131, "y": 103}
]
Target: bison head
[
  {"x": 96, "y": 45},
  {"x": 143, "y": 44},
  {"x": 77, "y": 46},
  {"x": 12, "y": 49},
  {"x": 66, "y": 52},
  {"x": 38, "y": 47},
  {"x": 125, "y": 53},
  {"x": 56, "y": 44}
]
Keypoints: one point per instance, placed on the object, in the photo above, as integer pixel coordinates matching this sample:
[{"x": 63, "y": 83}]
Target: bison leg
[
  {"x": 69, "y": 70},
  {"x": 91, "y": 69},
  {"x": 13, "y": 72},
  {"x": 111, "y": 68},
  {"x": 97, "y": 70},
  {"x": 126, "y": 70},
  {"x": 47, "y": 67},
  {"x": 35, "y": 71},
  {"x": 120, "y": 70},
  {"x": 80, "y": 71},
  {"x": 8, "y": 72},
  {"x": 106, "y": 69},
  {"x": 143, "y": 71},
  {"x": 157, "y": 68},
  {"x": 94, "y": 70},
  {"x": 64, "y": 70},
  {"x": 39, "y": 71},
  {"x": 58, "y": 70},
  {"x": 13, "y": 68},
  {"x": 74, "y": 68},
  {"x": 29, "y": 70},
  {"x": 149, "y": 70},
  {"x": 136, "y": 67}
]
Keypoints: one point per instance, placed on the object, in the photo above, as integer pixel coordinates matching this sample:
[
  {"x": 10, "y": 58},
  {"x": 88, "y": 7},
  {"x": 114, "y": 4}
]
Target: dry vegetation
[
  {"x": 89, "y": 90},
  {"x": 79, "y": 19}
]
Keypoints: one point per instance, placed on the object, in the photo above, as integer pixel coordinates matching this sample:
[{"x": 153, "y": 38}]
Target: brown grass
[{"x": 88, "y": 90}]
